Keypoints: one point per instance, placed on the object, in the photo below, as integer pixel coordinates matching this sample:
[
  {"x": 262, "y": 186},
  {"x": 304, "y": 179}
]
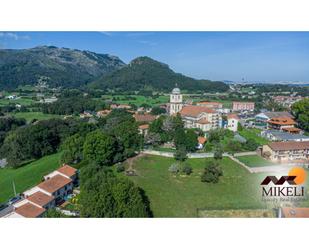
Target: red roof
[
  {"x": 40, "y": 198},
  {"x": 67, "y": 170},
  {"x": 295, "y": 212},
  {"x": 290, "y": 145},
  {"x": 29, "y": 210},
  {"x": 144, "y": 117},
  {"x": 203, "y": 121},
  {"x": 202, "y": 140},
  {"x": 54, "y": 184},
  {"x": 144, "y": 127},
  {"x": 195, "y": 110},
  {"x": 232, "y": 115},
  {"x": 282, "y": 121}
]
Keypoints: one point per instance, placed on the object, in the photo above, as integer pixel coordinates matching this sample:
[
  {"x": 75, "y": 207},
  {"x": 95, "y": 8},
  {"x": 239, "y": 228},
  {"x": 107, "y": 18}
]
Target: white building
[
  {"x": 176, "y": 102},
  {"x": 232, "y": 122}
]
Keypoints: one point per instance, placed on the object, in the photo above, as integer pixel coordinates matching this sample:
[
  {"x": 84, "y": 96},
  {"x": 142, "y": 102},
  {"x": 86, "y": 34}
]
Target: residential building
[
  {"x": 176, "y": 101},
  {"x": 200, "y": 117},
  {"x": 286, "y": 151},
  {"x": 144, "y": 118},
  {"x": 232, "y": 122},
  {"x": 212, "y": 105},
  {"x": 201, "y": 142},
  {"x": 275, "y": 135},
  {"x": 28, "y": 210},
  {"x": 281, "y": 123},
  {"x": 242, "y": 106},
  {"x": 143, "y": 129},
  {"x": 262, "y": 118},
  {"x": 103, "y": 113},
  {"x": 286, "y": 101}
]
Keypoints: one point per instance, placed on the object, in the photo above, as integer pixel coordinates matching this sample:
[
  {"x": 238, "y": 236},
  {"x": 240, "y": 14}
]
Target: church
[{"x": 193, "y": 116}]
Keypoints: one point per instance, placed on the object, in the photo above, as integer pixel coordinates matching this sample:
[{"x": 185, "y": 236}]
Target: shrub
[
  {"x": 120, "y": 168},
  {"x": 180, "y": 154},
  {"x": 174, "y": 168},
  {"x": 187, "y": 169},
  {"x": 212, "y": 172}
]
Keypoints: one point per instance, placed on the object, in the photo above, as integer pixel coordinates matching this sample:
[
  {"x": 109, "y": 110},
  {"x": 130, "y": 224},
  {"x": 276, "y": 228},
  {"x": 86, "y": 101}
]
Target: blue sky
[{"x": 254, "y": 56}]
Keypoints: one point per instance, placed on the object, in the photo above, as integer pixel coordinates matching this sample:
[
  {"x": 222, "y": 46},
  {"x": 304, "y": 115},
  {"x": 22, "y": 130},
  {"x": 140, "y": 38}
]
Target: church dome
[{"x": 176, "y": 91}]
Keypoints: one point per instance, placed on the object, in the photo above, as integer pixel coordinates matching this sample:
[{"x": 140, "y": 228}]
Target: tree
[
  {"x": 73, "y": 149},
  {"x": 300, "y": 110},
  {"x": 191, "y": 140},
  {"x": 251, "y": 144},
  {"x": 239, "y": 127},
  {"x": 156, "y": 110},
  {"x": 180, "y": 154},
  {"x": 212, "y": 172},
  {"x": 105, "y": 195},
  {"x": 218, "y": 154},
  {"x": 233, "y": 146},
  {"x": 100, "y": 148},
  {"x": 53, "y": 213}
]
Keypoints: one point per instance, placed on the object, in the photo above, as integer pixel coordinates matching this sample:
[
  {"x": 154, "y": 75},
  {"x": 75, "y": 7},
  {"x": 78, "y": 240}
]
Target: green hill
[{"x": 146, "y": 73}]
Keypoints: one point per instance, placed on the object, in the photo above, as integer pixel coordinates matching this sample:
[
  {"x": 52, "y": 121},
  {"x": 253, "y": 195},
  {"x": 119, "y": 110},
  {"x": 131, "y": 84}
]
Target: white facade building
[{"x": 176, "y": 102}]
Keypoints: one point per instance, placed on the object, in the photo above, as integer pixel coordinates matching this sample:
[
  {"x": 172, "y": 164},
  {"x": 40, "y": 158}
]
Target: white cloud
[{"x": 14, "y": 36}]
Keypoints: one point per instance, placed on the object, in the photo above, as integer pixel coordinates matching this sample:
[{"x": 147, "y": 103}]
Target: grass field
[
  {"x": 255, "y": 161},
  {"x": 35, "y": 115},
  {"x": 182, "y": 196},
  {"x": 26, "y": 176},
  {"x": 254, "y": 134},
  {"x": 21, "y": 101}
]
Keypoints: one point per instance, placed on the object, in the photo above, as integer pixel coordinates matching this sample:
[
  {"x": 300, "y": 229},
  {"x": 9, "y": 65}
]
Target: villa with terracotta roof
[{"x": 287, "y": 151}]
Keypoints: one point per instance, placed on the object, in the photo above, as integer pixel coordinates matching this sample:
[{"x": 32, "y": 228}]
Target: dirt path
[{"x": 130, "y": 161}]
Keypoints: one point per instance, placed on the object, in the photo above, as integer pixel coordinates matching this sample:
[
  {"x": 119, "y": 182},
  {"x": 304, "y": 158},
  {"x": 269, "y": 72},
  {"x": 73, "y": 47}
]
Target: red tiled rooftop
[
  {"x": 282, "y": 121},
  {"x": 67, "y": 170},
  {"x": 144, "y": 127},
  {"x": 55, "y": 183},
  {"x": 195, "y": 110},
  {"x": 232, "y": 115},
  {"x": 290, "y": 145},
  {"x": 29, "y": 210},
  {"x": 40, "y": 198},
  {"x": 202, "y": 140}
]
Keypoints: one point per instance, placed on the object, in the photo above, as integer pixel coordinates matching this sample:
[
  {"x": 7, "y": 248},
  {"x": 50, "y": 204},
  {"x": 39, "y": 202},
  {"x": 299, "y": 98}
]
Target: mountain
[
  {"x": 146, "y": 73},
  {"x": 54, "y": 66}
]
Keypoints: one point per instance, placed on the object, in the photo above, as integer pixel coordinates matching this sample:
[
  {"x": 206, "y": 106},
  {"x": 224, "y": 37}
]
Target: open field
[
  {"x": 21, "y": 101},
  {"x": 26, "y": 176},
  {"x": 254, "y": 134},
  {"x": 238, "y": 213},
  {"x": 182, "y": 196},
  {"x": 255, "y": 161},
  {"x": 35, "y": 115}
]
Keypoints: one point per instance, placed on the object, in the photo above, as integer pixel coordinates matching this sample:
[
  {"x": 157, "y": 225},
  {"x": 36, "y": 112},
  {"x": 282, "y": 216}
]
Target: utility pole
[{"x": 14, "y": 188}]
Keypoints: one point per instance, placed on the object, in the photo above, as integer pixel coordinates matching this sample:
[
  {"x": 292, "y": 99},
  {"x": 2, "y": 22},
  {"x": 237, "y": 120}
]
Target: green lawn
[
  {"x": 22, "y": 101},
  {"x": 255, "y": 134},
  {"x": 35, "y": 115},
  {"x": 26, "y": 176},
  {"x": 255, "y": 161},
  {"x": 182, "y": 196}
]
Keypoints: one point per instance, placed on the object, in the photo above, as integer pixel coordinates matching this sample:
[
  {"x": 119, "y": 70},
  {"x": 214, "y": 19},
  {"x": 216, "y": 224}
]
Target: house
[
  {"x": 212, "y": 105},
  {"x": 242, "y": 106},
  {"x": 86, "y": 114},
  {"x": 144, "y": 118},
  {"x": 275, "y": 135},
  {"x": 200, "y": 117},
  {"x": 289, "y": 151},
  {"x": 281, "y": 123},
  {"x": 286, "y": 101},
  {"x": 292, "y": 212},
  {"x": 143, "y": 129},
  {"x": 232, "y": 122},
  {"x": 66, "y": 171},
  {"x": 262, "y": 118},
  {"x": 27, "y": 210},
  {"x": 103, "y": 113},
  {"x": 201, "y": 142}
]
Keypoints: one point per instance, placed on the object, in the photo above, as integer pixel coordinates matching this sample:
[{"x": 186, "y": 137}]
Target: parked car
[{"x": 14, "y": 199}]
